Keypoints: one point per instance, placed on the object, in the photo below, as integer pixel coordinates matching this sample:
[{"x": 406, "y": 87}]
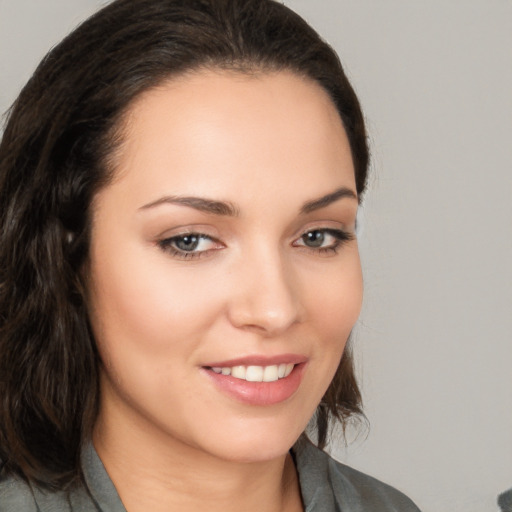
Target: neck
[{"x": 154, "y": 472}]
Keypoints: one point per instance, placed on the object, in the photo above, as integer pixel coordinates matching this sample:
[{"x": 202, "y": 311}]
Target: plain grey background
[{"x": 434, "y": 341}]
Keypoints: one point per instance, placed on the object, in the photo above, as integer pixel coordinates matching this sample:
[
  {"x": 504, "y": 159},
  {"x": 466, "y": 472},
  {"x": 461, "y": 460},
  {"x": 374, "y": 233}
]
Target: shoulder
[
  {"x": 329, "y": 485},
  {"x": 16, "y": 496}
]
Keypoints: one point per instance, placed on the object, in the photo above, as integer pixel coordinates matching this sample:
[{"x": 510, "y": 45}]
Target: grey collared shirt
[{"x": 326, "y": 486}]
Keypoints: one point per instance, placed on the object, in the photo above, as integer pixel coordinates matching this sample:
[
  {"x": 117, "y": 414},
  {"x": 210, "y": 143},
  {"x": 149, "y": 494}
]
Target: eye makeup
[{"x": 191, "y": 245}]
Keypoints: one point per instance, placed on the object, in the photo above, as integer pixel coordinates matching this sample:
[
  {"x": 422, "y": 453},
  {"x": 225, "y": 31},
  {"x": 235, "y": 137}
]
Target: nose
[{"x": 265, "y": 296}]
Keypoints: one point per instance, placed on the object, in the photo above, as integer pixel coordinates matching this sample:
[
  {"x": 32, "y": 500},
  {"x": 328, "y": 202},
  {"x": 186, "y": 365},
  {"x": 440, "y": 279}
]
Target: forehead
[{"x": 196, "y": 131}]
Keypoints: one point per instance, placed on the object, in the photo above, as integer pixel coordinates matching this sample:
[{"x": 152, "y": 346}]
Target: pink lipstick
[{"x": 258, "y": 380}]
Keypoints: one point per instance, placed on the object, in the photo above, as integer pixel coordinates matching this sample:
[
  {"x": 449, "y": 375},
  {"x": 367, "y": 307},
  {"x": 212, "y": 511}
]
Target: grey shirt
[{"x": 326, "y": 486}]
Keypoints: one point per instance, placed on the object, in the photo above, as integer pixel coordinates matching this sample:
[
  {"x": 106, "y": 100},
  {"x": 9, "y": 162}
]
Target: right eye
[{"x": 189, "y": 245}]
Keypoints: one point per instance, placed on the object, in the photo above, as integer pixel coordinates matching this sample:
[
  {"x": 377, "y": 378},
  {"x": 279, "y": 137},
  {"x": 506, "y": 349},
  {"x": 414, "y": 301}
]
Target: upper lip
[{"x": 259, "y": 360}]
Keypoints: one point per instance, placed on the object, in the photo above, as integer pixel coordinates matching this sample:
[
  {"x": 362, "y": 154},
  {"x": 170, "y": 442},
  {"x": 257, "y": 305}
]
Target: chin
[
  {"x": 256, "y": 451},
  {"x": 256, "y": 444}
]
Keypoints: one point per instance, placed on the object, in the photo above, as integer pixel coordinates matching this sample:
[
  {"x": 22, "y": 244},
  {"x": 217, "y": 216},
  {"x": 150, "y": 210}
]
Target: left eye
[
  {"x": 188, "y": 243},
  {"x": 323, "y": 238}
]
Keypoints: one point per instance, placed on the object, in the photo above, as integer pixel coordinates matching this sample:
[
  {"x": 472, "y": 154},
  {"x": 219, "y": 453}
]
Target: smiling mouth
[
  {"x": 258, "y": 380},
  {"x": 252, "y": 373}
]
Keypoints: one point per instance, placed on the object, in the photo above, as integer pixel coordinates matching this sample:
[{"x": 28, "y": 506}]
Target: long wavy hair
[{"x": 56, "y": 153}]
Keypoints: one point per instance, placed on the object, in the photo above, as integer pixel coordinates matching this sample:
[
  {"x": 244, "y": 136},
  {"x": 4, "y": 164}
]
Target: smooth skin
[{"x": 274, "y": 271}]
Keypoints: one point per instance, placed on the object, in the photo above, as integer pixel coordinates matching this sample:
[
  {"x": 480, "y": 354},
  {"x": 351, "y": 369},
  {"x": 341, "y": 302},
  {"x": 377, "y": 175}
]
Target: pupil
[
  {"x": 187, "y": 243},
  {"x": 314, "y": 238}
]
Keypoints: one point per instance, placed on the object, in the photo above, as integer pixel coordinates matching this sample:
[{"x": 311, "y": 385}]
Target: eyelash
[
  {"x": 340, "y": 238},
  {"x": 167, "y": 246}
]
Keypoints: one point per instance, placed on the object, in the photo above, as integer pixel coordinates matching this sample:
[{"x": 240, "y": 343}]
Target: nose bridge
[{"x": 266, "y": 297}]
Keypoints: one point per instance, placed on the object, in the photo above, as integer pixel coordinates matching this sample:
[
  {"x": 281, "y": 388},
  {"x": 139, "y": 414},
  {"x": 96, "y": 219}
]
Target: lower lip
[{"x": 258, "y": 393}]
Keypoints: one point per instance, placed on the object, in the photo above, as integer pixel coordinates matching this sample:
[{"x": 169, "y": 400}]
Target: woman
[{"x": 179, "y": 185}]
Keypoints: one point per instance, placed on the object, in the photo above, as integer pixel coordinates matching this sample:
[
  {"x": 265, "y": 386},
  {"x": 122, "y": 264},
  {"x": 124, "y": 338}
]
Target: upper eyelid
[
  {"x": 185, "y": 230},
  {"x": 189, "y": 233},
  {"x": 325, "y": 228},
  {"x": 166, "y": 245},
  {"x": 200, "y": 231},
  {"x": 340, "y": 224},
  {"x": 345, "y": 235},
  {"x": 213, "y": 230}
]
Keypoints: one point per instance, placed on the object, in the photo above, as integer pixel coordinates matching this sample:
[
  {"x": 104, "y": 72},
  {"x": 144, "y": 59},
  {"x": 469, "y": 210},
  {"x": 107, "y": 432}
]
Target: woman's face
[{"x": 223, "y": 258}]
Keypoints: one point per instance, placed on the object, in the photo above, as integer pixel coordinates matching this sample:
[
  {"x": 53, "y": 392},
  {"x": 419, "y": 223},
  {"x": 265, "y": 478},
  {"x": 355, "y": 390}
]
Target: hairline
[{"x": 123, "y": 122}]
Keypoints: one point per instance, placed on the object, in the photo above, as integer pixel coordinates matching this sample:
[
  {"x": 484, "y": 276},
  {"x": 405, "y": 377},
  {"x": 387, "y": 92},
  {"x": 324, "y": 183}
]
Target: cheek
[
  {"x": 143, "y": 310},
  {"x": 333, "y": 308},
  {"x": 336, "y": 301}
]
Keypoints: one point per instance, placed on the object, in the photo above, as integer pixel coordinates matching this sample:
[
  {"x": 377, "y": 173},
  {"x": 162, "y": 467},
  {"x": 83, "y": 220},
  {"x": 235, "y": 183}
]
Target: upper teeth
[{"x": 257, "y": 373}]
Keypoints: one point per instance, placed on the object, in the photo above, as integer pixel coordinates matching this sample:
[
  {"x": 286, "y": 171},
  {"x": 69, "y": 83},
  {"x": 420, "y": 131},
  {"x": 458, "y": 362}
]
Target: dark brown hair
[{"x": 54, "y": 157}]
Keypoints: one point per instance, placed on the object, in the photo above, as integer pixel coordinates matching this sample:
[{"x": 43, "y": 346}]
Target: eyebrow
[
  {"x": 322, "y": 202},
  {"x": 226, "y": 208},
  {"x": 198, "y": 203}
]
